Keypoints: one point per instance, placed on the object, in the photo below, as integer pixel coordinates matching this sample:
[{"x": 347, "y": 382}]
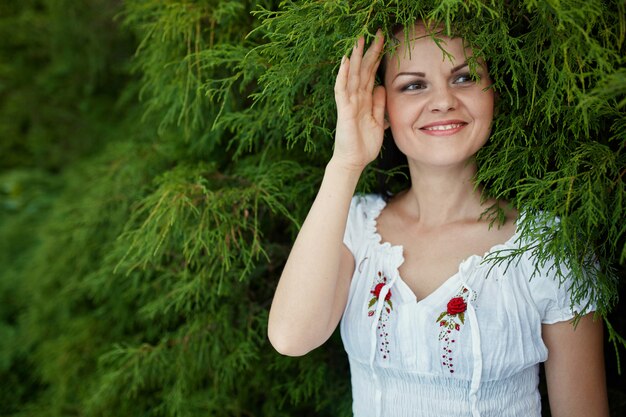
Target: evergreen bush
[{"x": 148, "y": 203}]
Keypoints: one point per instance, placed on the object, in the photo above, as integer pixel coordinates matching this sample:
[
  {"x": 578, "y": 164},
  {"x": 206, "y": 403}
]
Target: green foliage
[
  {"x": 61, "y": 65},
  {"x": 141, "y": 241}
]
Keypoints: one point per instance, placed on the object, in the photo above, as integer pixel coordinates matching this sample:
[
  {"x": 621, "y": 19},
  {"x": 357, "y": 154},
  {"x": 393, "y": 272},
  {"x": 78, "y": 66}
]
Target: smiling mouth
[{"x": 451, "y": 126}]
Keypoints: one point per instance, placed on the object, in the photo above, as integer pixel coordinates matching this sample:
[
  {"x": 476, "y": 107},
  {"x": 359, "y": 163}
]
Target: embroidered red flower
[
  {"x": 378, "y": 288},
  {"x": 450, "y": 321},
  {"x": 380, "y": 281},
  {"x": 456, "y": 305}
]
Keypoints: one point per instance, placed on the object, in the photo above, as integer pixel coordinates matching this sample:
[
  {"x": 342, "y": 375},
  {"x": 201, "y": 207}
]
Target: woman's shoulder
[
  {"x": 552, "y": 285},
  {"x": 367, "y": 202},
  {"x": 364, "y": 209}
]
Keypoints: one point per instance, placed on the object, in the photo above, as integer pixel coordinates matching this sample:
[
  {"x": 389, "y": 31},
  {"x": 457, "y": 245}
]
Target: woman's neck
[{"x": 442, "y": 195}]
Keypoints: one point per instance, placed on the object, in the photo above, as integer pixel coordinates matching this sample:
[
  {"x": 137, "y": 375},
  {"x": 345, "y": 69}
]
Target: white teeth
[{"x": 444, "y": 127}]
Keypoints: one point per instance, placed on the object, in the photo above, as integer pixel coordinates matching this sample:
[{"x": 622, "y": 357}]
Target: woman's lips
[{"x": 443, "y": 128}]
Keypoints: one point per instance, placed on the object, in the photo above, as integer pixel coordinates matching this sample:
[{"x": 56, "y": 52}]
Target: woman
[{"x": 429, "y": 329}]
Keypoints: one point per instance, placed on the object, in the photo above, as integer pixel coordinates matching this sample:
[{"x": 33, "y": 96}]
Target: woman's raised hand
[{"x": 360, "y": 107}]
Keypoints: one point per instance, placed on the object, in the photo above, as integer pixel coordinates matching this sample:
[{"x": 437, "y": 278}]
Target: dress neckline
[{"x": 396, "y": 252}]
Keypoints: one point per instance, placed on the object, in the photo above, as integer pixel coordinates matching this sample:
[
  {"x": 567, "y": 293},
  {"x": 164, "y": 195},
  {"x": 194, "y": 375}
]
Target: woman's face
[{"x": 438, "y": 115}]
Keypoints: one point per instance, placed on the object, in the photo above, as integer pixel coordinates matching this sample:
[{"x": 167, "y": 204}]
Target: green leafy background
[{"x": 157, "y": 157}]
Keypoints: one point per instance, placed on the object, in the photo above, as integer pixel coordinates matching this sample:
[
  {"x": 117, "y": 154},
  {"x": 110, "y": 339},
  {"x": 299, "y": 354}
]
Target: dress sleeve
[
  {"x": 356, "y": 224},
  {"x": 554, "y": 298}
]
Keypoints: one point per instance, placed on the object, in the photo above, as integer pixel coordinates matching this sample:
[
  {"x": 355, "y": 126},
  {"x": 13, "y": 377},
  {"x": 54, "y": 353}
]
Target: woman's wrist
[
  {"x": 344, "y": 168},
  {"x": 341, "y": 177}
]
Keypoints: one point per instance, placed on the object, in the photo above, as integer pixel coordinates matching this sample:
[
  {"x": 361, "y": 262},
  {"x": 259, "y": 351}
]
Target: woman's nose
[{"x": 442, "y": 99}]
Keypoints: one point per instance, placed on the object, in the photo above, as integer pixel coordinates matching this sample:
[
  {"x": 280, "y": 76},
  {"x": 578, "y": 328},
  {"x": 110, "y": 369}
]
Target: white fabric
[{"x": 405, "y": 362}]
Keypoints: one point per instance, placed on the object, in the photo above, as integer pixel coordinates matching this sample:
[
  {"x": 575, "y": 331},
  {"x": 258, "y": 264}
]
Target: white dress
[{"x": 472, "y": 348}]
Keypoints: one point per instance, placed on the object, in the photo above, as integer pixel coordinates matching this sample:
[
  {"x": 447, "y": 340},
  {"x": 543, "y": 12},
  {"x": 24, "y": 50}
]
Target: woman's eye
[
  {"x": 413, "y": 86},
  {"x": 464, "y": 79}
]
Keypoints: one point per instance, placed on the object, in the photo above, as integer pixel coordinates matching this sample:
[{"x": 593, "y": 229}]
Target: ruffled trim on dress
[
  {"x": 394, "y": 252},
  {"x": 475, "y": 261}
]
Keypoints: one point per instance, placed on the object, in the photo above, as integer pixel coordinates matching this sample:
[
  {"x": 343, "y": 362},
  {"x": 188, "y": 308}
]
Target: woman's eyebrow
[
  {"x": 421, "y": 74},
  {"x": 413, "y": 74},
  {"x": 458, "y": 67}
]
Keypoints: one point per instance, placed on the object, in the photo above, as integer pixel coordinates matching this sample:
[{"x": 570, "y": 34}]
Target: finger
[
  {"x": 342, "y": 74},
  {"x": 371, "y": 61},
  {"x": 355, "y": 65},
  {"x": 378, "y": 104},
  {"x": 341, "y": 96},
  {"x": 373, "y": 54}
]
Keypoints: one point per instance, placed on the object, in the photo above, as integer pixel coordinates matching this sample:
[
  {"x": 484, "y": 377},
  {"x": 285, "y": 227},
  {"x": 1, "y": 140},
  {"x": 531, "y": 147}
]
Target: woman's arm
[
  {"x": 313, "y": 289},
  {"x": 575, "y": 368}
]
